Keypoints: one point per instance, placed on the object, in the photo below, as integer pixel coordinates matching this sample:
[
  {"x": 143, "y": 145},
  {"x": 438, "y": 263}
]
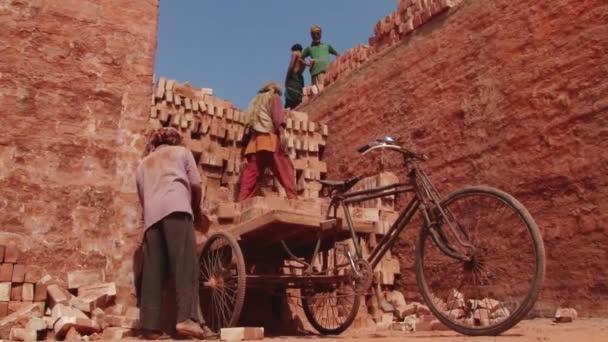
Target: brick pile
[
  {"x": 409, "y": 15},
  {"x": 213, "y": 129},
  {"x": 19, "y": 283},
  {"x": 35, "y": 306},
  {"x": 413, "y": 316}
]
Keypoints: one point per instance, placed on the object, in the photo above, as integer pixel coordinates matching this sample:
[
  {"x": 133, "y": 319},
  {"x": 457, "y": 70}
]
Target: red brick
[
  {"x": 18, "y": 273},
  {"x": 40, "y": 292},
  {"x": 57, "y": 295},
  {"x": 30, "y": 309},
  {"x": 81, "y": 278},
  {"x": 3, "y": 309},
  {"x": 11, "y": 254},
  {"x": 109, "y": 289},
  {"x": 6, "y": 272},
  {"x": 2, "y": 248},
  {"x": 16, "y": 292},
  {"x": 5, "y": 292},
  {"x": 90, "y": 301},
  {"x": 27, "y": 293}
]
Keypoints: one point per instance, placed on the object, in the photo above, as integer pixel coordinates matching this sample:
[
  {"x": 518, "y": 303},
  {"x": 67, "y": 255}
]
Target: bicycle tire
[
  {"x": 213, "y": 269},
  {"x": 316, "y": 322},
  {"x": 537, "y": 278}
]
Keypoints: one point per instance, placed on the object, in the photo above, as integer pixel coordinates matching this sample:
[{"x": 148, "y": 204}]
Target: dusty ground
[{"x": 583, "y": 330}]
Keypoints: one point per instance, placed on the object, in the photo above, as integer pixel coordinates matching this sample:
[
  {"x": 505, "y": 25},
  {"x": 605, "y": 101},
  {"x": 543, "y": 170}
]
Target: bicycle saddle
[{"x": 340, "y": 186}]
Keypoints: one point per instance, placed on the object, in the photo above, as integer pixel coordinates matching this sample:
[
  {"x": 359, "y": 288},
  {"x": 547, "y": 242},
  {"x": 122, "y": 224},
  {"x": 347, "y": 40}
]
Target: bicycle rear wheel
[
  {"x": 332, "y": 307},
  {"x": 495, "y": 289}
]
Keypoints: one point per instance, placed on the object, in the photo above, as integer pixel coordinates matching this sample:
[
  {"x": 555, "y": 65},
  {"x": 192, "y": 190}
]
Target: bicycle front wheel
[{"x": 498, "y": 286}]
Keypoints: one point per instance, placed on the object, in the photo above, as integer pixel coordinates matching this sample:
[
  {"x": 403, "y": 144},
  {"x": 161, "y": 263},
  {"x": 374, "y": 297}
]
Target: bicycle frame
[{"x": 423, "y": 201}]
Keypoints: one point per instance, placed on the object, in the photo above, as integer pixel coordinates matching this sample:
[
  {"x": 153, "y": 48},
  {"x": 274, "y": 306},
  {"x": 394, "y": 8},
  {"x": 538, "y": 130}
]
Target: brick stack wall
[{"x": 505, "y": 93}]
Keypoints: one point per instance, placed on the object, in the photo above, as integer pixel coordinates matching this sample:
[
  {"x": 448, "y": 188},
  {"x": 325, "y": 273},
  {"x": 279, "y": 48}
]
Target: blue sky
[{"x": 234, "y": 46}]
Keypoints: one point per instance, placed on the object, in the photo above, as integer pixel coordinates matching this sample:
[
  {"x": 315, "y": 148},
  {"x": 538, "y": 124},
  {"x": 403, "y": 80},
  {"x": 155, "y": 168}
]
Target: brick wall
[
  {"x": 507, "y": 93},
  {"x": 75, "y": 89}
]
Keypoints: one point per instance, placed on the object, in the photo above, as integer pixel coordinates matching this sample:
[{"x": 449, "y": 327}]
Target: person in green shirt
[{"x": 319, "y": 55}]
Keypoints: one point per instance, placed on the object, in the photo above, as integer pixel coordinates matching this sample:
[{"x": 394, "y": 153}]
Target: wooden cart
[{"x": 297, "y": 250}]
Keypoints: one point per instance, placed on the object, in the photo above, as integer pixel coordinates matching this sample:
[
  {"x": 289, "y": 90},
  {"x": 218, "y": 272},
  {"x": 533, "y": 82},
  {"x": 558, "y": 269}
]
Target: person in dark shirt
[
  {"x": 319, "y": 53},
  {"x": 294, "y": 80}
]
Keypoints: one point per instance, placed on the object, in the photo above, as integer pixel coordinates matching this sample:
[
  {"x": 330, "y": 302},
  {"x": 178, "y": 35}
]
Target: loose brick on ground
[{"x": 77, "y": 279}]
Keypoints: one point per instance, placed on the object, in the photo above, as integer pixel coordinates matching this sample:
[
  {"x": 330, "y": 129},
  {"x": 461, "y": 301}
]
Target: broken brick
[
  {"x": 57, "y": 295},
  {"x": 84, "y": 326},
  {"x": 90, "y": 301},
  {"x": 22, "y": 334},
  {"x": 108, "y": 289},
  {"x": 242, "y": 333},
  {"x": 28, "y": 309},
  {"x": 565, "y": 315},
  {"x": 116, "y": 333},
  {"x": 61, "y": 310},
  {"x": 77, "y": 279},
  {"x": 36, "y": 324}
]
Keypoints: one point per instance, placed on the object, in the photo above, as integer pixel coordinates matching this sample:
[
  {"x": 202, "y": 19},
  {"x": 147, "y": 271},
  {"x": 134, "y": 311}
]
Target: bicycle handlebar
[{"x": 389, "y": 143}]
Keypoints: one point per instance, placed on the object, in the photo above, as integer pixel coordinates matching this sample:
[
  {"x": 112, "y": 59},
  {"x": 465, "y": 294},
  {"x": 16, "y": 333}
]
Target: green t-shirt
[{"x": 320, "y": 53}]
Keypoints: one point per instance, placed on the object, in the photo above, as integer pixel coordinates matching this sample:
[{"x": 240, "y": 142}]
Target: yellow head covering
[{"x": 271, "y": 86}]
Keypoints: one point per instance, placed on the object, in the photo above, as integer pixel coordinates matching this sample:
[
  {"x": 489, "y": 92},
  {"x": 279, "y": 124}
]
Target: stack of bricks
[
  {"x": 36, "y": 307},
  {"x": 213, "y": 129},
  {"x": 19, "y": 283},
  {"x": 410, "y": 15},
  {"x": 381, "y": 214},
  {"x": 350, "y": 60}
]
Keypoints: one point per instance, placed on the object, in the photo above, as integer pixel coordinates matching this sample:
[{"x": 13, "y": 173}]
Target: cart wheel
[
  {"x": 222, "y": 281},
  {"x": 331, "y": 308}
]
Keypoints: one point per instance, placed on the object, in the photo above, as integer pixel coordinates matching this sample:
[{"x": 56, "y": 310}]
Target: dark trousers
[{"x": 169, "y": 246}]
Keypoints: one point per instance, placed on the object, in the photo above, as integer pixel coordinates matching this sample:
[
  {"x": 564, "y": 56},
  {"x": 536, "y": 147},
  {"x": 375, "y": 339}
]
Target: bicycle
[{"x": 475, "y": 283}]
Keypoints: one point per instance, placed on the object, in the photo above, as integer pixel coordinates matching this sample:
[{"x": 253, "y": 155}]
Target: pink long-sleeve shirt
[{"x": 165, "y": 179}]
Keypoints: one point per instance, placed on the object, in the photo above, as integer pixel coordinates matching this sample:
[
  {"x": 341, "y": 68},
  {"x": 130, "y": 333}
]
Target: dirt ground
[{"x": 583, "y": 330}]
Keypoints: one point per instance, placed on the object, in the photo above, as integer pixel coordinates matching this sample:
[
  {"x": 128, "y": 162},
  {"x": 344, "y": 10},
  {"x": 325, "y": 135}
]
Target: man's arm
[
  {"x": 292, "y": 64},
  {"x": 194, "y": 178},
  {"x": 278, "y": 120},
  {"x": 333, "y": 51},
  {"x": 276, "y": 113}
]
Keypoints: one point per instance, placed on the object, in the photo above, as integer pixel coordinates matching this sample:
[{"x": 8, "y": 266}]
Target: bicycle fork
[{"x": 439, "y": 237}]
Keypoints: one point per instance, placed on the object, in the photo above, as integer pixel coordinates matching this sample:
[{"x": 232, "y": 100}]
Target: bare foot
[{"x": 190, "y": 328}]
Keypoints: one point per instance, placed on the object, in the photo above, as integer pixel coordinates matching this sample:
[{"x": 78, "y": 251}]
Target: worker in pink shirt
[{"x": 169, "y": 189}]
